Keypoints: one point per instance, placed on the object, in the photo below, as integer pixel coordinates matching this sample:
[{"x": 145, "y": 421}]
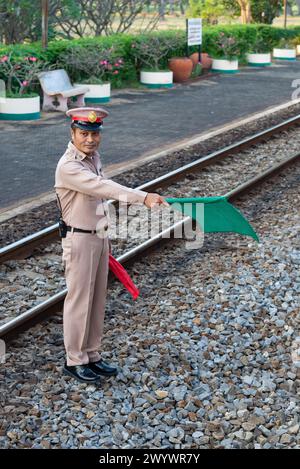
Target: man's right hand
[{"x": 153, "y": 200}]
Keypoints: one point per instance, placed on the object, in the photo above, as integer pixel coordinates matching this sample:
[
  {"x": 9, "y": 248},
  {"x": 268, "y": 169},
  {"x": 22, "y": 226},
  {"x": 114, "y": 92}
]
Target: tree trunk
[
  {"x": 181, "y": 5},
  {"x": 245, "y": 11},
  {"x": 162, "y": 9},
  {"x": 248, "y": 12}
]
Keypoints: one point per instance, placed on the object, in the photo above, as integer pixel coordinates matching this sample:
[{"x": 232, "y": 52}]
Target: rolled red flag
[{"x": 123, "y": 276}]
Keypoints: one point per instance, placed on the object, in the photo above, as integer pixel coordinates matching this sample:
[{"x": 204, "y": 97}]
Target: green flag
[{"x": 218, "y": 215}]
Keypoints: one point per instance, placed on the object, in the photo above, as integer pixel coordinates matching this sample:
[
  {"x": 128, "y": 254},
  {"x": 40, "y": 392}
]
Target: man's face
[{"x": 86, "y": 141}]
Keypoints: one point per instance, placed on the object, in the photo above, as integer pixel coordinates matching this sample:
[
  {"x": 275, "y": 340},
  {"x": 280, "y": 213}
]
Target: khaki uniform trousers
[{"x": 85, "y": 257}]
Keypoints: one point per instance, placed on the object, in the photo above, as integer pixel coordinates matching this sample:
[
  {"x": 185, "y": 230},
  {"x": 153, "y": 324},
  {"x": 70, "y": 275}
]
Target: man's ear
[{"x": 72, "y": 133}]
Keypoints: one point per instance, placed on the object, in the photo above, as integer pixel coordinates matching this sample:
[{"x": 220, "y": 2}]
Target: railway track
[
  {"x": 25, "y": 246},
  {"x": 55, "y": 303}
]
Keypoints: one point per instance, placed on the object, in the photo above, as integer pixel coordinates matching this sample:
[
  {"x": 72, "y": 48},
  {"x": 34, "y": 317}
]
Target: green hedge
[{"x": 245, "y": 34}]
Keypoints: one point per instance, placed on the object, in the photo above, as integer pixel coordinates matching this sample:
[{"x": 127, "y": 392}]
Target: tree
[
  {"x": 258, "y": 11},
  {"x": 96, "y": 18},
  {"x": 209, "y": 10},
  {"x": 21, "y": 19},
  {"x": 264, "y": 11},
  {"x": 245, "y": 6},
  {"x": 183, "y": 5},
  {"x": 162, "y": 9}
]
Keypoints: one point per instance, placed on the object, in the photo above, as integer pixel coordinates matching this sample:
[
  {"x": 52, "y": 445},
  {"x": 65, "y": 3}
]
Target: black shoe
[
  {"x": 82, "y": 373},
  {"x": 102, "y": 368}
]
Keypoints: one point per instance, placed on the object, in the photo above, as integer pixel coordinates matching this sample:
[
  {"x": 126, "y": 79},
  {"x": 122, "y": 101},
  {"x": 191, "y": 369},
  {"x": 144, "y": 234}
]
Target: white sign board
[{"x": 194, "y": 31}]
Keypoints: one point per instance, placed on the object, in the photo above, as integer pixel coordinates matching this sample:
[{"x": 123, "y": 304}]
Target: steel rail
[
  {"x": 25, "y": 246},
  {"x": 55, "y": 303}
]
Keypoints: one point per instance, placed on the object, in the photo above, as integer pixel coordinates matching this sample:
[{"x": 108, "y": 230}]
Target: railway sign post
[{"x": 194, "y": 34}]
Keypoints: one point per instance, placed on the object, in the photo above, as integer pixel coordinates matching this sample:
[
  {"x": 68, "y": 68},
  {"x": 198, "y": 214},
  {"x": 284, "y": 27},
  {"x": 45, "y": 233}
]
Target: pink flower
[
  {"x": 116, "y": 64},
  {"x": 120, "y": 61},
  {"x": 25, "y": 83},
  {"x": 4, "y": 58},
  {"x": 115, "y": 72},
  {"x": 33, "y": 59}
]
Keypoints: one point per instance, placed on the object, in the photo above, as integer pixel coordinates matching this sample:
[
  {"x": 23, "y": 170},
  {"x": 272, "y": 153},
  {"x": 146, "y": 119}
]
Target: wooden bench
[{"x": 59, "y": 94}]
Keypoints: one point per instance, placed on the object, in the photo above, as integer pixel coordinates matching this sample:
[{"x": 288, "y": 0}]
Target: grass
[
  {"x": 177, "y": 21},
  {"x": 291, "y": 21}
]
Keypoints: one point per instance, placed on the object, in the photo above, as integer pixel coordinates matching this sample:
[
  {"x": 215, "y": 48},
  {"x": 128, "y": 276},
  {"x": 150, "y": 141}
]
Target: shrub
[
  {"x": 245, "y": 37},
  {"x": 150, "y": 52},
  {"x": 286, "y": 43},
  {"x": 19, "y": 73},
  {"x": 296, "y": 41},
  {"x": 227, "y": 47},
  {"x": 91, "y": 65}
]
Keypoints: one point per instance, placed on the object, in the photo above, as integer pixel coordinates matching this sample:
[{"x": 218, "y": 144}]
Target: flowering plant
[
  {"x": 150, "y": 52},
  {"x": 90, "y": 65},
  {"x": 286, "y": 43},
  {"x": 227, "y": 47},
  {"x": 260, "y": 46},
  {"x": 19, "y": 73}
]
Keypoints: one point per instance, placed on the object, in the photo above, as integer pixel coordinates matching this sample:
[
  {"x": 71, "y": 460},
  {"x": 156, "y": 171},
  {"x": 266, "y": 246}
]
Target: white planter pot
[
  {"x": 96, "y": 93},
  {"x": 284, "y": 54},
  {"x": 225, "y": 66},
  {"x": 16, "y": 109},
  {"x": 259, "y": 60},
  {"x": 157, "y": 79}
]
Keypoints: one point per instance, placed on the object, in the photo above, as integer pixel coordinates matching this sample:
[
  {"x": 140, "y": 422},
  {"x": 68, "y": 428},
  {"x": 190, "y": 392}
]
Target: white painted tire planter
[
  {"x": 225, "y": 66},
  {"x": 160, "y": 79},
  {"x": 20, "y": 109},
  {"x": 284, "y": 54},
  {"x": 259, "y": 60},
  {"x": 96, "y": 93}
]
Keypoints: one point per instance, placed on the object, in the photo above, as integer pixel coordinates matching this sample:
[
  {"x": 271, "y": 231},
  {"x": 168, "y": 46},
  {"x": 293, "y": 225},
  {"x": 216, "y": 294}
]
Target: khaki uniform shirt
[{"x": 82, "y": 189}]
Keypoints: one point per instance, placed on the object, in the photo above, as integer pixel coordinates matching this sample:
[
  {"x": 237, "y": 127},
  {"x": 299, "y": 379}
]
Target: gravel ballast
[
  {"x": 208, "y": 354},
  {"x": 38, "y": 218}
]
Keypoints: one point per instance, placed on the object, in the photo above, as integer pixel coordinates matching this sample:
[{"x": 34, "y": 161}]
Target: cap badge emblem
[{"x": 92, "y": 117}]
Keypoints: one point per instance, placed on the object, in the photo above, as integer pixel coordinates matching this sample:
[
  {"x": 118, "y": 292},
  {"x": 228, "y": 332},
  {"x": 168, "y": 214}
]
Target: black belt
[{"x": 79, "y": 230}]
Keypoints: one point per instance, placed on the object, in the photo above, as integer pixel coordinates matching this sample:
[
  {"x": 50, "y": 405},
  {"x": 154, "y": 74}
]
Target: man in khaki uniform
[{"x": 82, "y": 190}]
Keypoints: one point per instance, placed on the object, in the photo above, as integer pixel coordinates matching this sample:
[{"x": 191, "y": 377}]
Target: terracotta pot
[
  {"x": 206, "y": 61},
  {"x": 181, "y": 67}
]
